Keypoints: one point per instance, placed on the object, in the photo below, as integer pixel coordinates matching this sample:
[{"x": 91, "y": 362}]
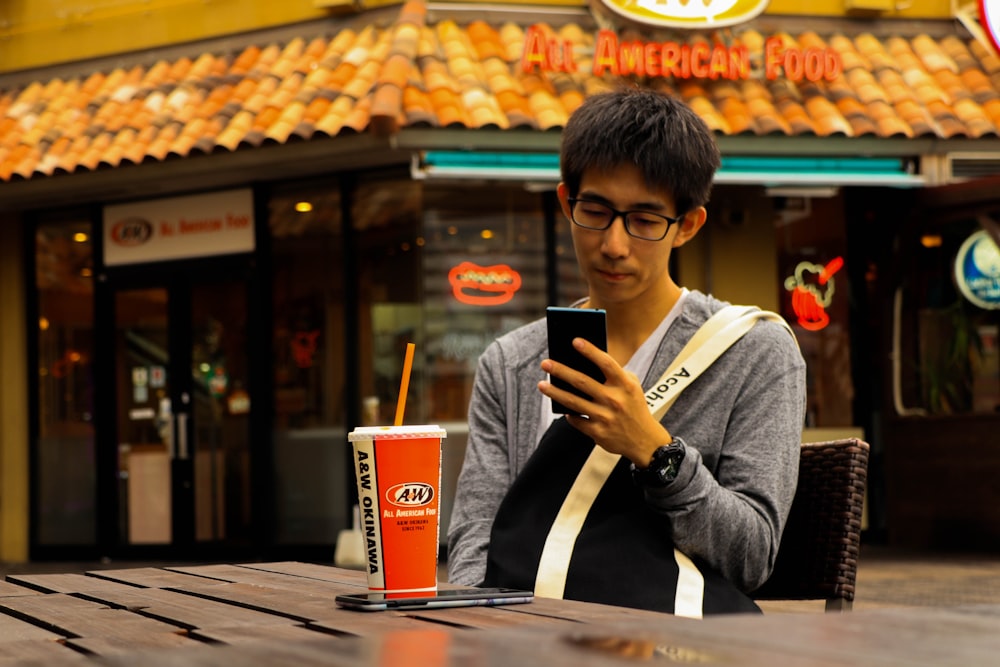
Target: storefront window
[
  {"x": 448, "y": 268},
  {"x": 950, "y": 302},
  {"x": 311, "y": 475},
  {"x": 66, "y": 483},
  {"x": 812, "y": 257},
  {"x": 484, "y": 275}
]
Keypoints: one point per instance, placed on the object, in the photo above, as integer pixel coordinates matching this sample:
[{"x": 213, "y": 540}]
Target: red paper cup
[{"x": 398, "y": 471}]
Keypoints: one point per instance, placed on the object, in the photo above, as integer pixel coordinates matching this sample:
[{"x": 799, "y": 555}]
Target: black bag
[{"x": 623, "y": 555}]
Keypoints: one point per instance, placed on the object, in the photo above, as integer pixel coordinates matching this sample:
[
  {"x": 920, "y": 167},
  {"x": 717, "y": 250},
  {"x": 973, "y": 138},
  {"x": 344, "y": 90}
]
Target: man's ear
[
  {"x": 562, "y": 191},
  {"x": 689, "y": 226}
]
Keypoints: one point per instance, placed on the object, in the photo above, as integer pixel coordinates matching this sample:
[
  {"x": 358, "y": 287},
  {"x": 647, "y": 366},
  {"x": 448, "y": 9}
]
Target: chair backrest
[{"x": 818, "y": 556}]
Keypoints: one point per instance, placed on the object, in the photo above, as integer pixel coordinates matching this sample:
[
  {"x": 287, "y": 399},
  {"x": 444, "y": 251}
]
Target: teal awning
[{"x": 749, "y": 170}]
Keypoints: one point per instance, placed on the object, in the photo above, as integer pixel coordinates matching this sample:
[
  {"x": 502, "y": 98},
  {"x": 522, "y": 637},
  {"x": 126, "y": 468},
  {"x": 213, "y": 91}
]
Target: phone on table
[
  {"x": 458, "y": 597},
  {"x": 565, "y": 324}
]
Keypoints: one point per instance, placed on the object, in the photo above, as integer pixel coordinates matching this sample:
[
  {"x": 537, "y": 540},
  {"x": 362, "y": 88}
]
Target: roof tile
[{"x": 413, "y": 72}]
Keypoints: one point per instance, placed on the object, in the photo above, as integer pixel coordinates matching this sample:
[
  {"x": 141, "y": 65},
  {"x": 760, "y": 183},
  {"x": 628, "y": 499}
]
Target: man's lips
[{"x": 612, "y": 276}]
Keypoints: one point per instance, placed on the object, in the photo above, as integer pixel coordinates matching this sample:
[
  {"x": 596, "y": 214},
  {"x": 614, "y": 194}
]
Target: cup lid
[{"x": 388, "y": 432}]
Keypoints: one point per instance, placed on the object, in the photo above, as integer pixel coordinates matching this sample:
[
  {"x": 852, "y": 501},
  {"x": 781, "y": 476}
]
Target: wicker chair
[{"x": 818, "y": 557}]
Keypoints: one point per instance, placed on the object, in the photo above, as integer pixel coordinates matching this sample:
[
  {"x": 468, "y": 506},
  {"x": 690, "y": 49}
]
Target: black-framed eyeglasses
[{"x": 640, "y": 224}]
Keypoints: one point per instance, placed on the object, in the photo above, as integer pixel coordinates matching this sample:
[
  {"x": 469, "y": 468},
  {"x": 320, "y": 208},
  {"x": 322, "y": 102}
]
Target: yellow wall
[
  {"x": 909, "y": 9},
  {"x": 13, "y": 397},
  {"x": 36, "y": 34},
  {"x": 738, "y": 235}
]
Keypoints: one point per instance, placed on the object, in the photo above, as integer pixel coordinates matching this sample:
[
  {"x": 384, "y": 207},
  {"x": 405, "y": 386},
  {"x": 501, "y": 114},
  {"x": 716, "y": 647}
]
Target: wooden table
[{"x": 284, "y": 613}]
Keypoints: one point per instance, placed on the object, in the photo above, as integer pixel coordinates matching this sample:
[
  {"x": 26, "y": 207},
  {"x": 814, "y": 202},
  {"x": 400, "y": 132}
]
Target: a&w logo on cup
[{"x": 410, "y": 494}]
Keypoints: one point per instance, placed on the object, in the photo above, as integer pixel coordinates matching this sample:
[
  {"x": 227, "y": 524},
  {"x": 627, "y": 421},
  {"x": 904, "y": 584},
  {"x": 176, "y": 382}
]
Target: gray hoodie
[{"x": 741, "y": 420}]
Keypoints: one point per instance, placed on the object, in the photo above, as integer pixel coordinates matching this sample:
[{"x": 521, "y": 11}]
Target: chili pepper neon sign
[
  {"x": 812, "y": 289},
  {"x": 476, "y": 285},
  {"x": 304, "y": 346}
]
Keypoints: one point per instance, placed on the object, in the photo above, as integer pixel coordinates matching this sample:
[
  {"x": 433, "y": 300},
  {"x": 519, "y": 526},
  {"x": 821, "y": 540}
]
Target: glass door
[{"x": 182, "y": 414}]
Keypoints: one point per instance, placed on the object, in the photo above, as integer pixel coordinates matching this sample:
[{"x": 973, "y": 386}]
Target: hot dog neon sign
[
  {"x": 476, "y": 285},
  {"x": 812, "y": 289}
]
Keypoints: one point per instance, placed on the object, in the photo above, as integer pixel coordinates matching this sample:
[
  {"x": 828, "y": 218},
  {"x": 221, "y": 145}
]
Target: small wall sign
[{"x": 977, "y": 270}]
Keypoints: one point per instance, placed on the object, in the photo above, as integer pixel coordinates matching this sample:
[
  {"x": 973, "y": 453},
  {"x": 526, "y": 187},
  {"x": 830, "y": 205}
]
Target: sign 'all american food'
[{"x": 682, "y": 59}]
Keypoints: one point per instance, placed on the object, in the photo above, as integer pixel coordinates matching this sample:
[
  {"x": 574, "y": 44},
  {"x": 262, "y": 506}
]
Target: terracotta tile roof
[{"x": 418, "y": 73}]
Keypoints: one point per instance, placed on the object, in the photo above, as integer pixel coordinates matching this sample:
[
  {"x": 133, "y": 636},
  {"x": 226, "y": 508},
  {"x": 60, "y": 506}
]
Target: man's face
[{"x": 619, "y": 268}]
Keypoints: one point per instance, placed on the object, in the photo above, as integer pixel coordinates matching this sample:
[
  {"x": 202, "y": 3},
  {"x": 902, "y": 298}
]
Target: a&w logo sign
[
  {"x": 410, "y": 494},
  {"x": 695, "y": 14}
]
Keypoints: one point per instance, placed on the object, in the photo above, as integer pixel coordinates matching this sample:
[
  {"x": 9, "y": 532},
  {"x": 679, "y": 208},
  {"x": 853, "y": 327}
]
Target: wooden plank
[
  {"x": 14, "y": 629},
  {"x": 105, "y": 646},
  {"x": 268, "y": 633},
  {"x": 482, "y": 618},
  {"x": 9, "y": 589},
  {"x": 882, "y": 637},
  {"x": 668, "y": 642},
  {"x": 30, "y": 652},
  {"x": 337, "y": 575},
  {"x": 73, "y": 617},
  {"x": 321, "y": 652},
  {"x": 583, "y": 612},
  {"x": 257, "y": 577},
  {"x": 186, "y": 611},
  {"x": 153, "y": 577},
  {"x": 366, "y": 624},
  {"x": 298, "y": 607},
  {"x": 66, "y": 583}
]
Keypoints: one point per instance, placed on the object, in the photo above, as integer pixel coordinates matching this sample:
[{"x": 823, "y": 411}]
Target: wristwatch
[{"x": 663, "y": 468}]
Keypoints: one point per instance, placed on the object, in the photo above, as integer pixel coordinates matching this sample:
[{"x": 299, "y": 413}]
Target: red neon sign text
[{"x": 697, "y": 60}]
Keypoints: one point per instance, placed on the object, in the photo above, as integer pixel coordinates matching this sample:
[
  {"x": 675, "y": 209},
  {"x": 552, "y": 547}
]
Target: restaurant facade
[{"x": 214, "y": 253}]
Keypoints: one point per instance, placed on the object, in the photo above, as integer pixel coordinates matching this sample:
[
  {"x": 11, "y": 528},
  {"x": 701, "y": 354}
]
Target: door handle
[
  {"x": 171, "y": 440},
  {"x": 182, "y": 438}
]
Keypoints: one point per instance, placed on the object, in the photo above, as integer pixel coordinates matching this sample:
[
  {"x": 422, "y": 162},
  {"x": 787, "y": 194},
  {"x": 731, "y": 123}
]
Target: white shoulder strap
[{"x": 714, "y": 337}]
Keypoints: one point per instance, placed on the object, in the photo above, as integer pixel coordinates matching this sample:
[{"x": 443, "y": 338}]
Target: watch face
[{"x": 663, "y": 468}]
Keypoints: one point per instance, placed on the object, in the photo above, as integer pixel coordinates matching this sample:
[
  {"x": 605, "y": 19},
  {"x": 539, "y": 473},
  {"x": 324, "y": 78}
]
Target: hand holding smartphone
[{"x": 565, "y": 324}]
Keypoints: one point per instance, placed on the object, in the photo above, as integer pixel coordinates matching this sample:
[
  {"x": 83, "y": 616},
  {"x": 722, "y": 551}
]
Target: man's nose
[{"x": 616, "y": 238}]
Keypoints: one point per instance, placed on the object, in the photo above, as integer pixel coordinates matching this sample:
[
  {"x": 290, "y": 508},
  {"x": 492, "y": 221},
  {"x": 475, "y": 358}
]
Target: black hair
[{"x": 669, "y": 143}]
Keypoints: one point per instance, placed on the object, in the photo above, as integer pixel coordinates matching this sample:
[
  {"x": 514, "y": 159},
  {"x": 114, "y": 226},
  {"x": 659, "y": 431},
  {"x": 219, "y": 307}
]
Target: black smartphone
[
  {"x": 565, "y": 324},
  {"x": 458, "y": 597}
]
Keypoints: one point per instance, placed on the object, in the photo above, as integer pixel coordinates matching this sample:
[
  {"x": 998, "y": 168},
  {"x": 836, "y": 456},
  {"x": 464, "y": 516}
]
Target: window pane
[
  {"x": 66, "y": 462},
  {"x": 390, "y": 252},
  {"x": 570, "y": 285},
  {"x": 485, "y": 274},
  {"x": 310, "y": 456},
  {"x": 448, "y": 268},
  {"x": 951, "y": 365}
]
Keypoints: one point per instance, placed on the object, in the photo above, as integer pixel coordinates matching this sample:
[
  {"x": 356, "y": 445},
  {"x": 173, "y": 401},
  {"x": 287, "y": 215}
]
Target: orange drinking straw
[{"x": 404, "y": 384}]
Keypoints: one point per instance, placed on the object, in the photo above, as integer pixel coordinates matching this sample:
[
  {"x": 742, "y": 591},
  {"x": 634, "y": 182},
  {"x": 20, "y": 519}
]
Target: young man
[{"x": 719, "y": 471}]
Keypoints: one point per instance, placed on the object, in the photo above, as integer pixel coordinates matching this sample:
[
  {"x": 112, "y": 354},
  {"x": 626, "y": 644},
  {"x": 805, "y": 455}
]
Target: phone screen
[
  {"x": 565, "y": 324},
  {"x": 459, "y": 597}
]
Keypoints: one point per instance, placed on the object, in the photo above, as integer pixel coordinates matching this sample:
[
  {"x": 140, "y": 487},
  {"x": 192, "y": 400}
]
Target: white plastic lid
[{"x": 389, "y": 432}]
